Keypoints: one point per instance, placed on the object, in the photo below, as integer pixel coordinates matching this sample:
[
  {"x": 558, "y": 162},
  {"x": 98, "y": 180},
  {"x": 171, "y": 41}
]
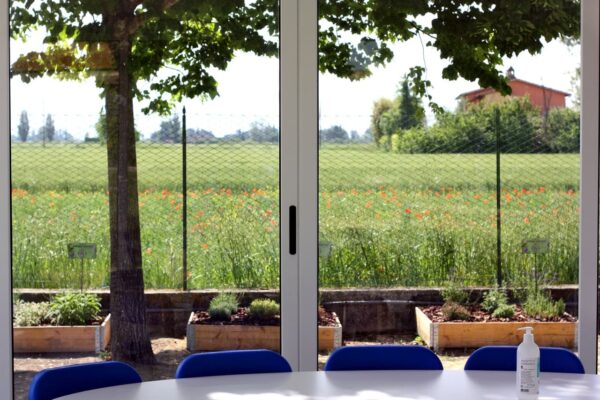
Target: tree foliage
[
  {"x": 472, "y": 37},
  {"x": 169, "y": 132},
  {"x": 335, "y": 134},
  {"x": 261, "y": 132},
  {"x": 47, "y": 131},
  {"x": 520, "y": 127},
  {"x": 23, "y": 128},
  {"x": 410, "y": 111},
  {"x": 390, "y": 117},
  {"x": 101, "y": 128},
  {"x": 380, "y": 108}
]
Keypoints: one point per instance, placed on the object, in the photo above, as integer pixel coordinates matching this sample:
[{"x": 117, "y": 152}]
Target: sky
[{"x": 249, "y": 91}]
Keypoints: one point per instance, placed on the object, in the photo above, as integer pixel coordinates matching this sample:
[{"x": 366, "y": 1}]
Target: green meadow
[{"x": 391, "y": 219}]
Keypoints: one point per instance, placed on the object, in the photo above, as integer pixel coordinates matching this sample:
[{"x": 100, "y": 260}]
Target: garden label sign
[
  {"x": 536, "y": 246},
  {"x": 81, "y": 251}
]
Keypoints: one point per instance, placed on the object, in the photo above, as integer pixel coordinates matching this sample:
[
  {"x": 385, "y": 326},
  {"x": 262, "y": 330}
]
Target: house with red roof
[{"x": 543, "y": 97}]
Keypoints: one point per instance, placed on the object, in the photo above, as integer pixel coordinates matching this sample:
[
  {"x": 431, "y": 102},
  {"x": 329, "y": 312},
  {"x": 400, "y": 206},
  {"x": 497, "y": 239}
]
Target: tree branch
[{"x": 168, "y": 4}]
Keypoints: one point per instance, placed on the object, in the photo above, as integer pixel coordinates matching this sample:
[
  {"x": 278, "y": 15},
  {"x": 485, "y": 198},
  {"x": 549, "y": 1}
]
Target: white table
[{"x": 366, "y": 385}]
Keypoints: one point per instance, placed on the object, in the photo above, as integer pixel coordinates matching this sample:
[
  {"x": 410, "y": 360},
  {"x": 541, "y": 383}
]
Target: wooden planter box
[
  {"x": 235, "y": 337},
  {"x": 445, "y": 335},
  {"x": 61, "y": 339}
]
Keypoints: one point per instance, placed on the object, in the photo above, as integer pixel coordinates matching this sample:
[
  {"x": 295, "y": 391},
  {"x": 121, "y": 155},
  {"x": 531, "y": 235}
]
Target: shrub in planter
[
  {"x": 74, "y": 309},
  {"x": 69, "y": 323},
  {"x": 455, "y": 312},
  {"x": 222, "y": 306},
  {"x": 504, "y": 311},
  {"x": 31, "y": 314},
  {"x": 263, "y": 309},
  {"x": 456, "y": 326},
  {"x": 540, "y": 305},
  {"x": 454, "y": 294},
  {"x": 493, "y": 300},
  {"x": 254, "y": 327}
]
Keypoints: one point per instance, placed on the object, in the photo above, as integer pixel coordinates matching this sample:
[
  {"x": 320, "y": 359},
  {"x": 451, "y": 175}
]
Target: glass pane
[
  {"x": 440, "y": 199},
  {"x": 122, "y": 195}
]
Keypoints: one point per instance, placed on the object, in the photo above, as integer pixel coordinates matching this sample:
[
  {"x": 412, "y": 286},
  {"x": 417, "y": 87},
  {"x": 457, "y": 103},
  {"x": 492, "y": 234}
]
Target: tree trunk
[{"x": 129, "y": 336}]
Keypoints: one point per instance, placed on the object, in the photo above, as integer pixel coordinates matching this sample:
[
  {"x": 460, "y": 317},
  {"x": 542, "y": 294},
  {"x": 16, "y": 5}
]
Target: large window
[
  {"x": 143, "y": 160},
  {"x": 429, "y": 182},
  {"x": 295, "y": 175}
]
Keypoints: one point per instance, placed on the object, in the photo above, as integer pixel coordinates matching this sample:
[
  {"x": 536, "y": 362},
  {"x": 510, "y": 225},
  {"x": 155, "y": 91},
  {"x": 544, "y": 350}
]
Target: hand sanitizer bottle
[{"x": 528, "y": 367}]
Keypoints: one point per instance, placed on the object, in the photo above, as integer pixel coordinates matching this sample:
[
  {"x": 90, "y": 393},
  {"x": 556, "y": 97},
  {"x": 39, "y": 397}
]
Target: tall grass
[{"x": 393, "y": 220}]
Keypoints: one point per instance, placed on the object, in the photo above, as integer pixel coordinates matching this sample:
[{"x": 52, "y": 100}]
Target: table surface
[{"x": 367, "y": 385}]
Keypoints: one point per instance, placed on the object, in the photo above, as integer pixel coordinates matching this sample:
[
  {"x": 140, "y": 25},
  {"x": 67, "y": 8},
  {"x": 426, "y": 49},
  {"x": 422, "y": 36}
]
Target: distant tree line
[
  {"x": 520, "y": 126},
  {"x": 46, "y": 133},
  {"x": 259, "y": 132},
  {"x": 170, "y": 131}
]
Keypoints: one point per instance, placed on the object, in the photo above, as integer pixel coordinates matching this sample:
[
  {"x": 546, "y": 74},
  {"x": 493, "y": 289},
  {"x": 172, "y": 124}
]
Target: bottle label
[{"x": 530, "y": 376}]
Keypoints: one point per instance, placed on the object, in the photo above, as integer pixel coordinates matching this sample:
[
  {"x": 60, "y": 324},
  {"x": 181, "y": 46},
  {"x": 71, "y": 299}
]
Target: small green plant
[
  {"x": 454, "y": 294},
  {"x": 31, "y": 314},
  {"x": 222, "y": 306},
  {"x": 493, "y": 300},
  {"x": 105, "y": 355},
  {"x": 504, "y": 311},
  {"x": 540, "y": 305},
  {"x": 419, "y": 341},
  {"x": 455, "y": 312},
  {"x": 263, "y": 309},
  {"x": 16, "y": 297},
  {"x": 74, "y": 309}
]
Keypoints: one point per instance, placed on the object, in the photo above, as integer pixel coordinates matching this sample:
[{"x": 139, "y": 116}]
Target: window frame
[
  {"x": 299, "y": 180},
  {"x": 589, "y": 199},
  {"x": 6, "y": 356}
]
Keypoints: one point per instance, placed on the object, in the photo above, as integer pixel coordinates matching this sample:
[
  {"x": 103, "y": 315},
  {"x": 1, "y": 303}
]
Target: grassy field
[
  {"x": 239, "y": 167},
  {"x": 392, "y": 219}
]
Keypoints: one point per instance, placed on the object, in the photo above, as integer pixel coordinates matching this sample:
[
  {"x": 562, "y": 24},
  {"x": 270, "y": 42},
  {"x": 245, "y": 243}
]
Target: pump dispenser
[{"x": 528, "y": 367}]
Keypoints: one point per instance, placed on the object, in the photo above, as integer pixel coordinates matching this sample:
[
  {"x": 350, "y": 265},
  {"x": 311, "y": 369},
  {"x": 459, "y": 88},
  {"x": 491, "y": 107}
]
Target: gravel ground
[{"x": 169, "y": 352}]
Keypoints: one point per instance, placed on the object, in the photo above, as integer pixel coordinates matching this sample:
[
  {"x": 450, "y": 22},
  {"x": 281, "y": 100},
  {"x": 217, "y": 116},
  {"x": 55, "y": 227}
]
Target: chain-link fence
[
  {"x": 217, "y": 227},
  {"x": 486, "y": 195},
  {"x": 453, "y": 200}
]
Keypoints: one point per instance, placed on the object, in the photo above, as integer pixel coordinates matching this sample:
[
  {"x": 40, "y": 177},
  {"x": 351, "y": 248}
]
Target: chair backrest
[
  {"x": 383, "y": 357},
  {"x": 493, "y": 358},
  {"x": 554, "y": 359},
  {"x": 504, "y": 358},
  {"x": 232, "y": 362},
  {"x": 52, "y": 383}
]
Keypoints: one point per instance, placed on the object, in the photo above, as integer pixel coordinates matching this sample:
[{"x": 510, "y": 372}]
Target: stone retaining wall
[{"x": 361, "y": 311}]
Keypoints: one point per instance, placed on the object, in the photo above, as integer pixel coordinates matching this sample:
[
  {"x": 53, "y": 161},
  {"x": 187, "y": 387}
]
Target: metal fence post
[
  {"x": 498, "y": 202},
  {"x": 184, "y": 190}
]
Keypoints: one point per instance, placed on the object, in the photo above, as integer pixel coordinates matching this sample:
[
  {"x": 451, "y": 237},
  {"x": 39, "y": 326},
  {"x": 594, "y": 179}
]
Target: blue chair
[
  {"x": 383, "y": 357},
  {"x": 52, "y": 383},
  {"x": 232, "y": 362},
  {"x": 504, "y": 358}
]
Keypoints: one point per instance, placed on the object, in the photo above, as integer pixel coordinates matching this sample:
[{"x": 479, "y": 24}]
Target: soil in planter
[
  {"x": 434, "y": 313},
  {"x": 242, "y": 317},
  {"x": 327, "y": 318}
]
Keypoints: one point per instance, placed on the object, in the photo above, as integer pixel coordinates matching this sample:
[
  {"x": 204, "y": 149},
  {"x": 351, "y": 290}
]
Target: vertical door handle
[{"x": 292, "y": 230}]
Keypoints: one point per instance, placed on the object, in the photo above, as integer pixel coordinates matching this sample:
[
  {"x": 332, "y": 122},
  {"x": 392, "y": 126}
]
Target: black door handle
[{"x": 292, "y": 230}]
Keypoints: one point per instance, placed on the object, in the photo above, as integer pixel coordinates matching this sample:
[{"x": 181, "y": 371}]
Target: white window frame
[
  {"x": 588, "y": 224},
  {"x": 6, "y": 358},
  {"x": 288, "y": 61},
  {"x": 299, "y": 186},
  {"x": 299, "y": 164},
  {"x": 308, "y": 169}
]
